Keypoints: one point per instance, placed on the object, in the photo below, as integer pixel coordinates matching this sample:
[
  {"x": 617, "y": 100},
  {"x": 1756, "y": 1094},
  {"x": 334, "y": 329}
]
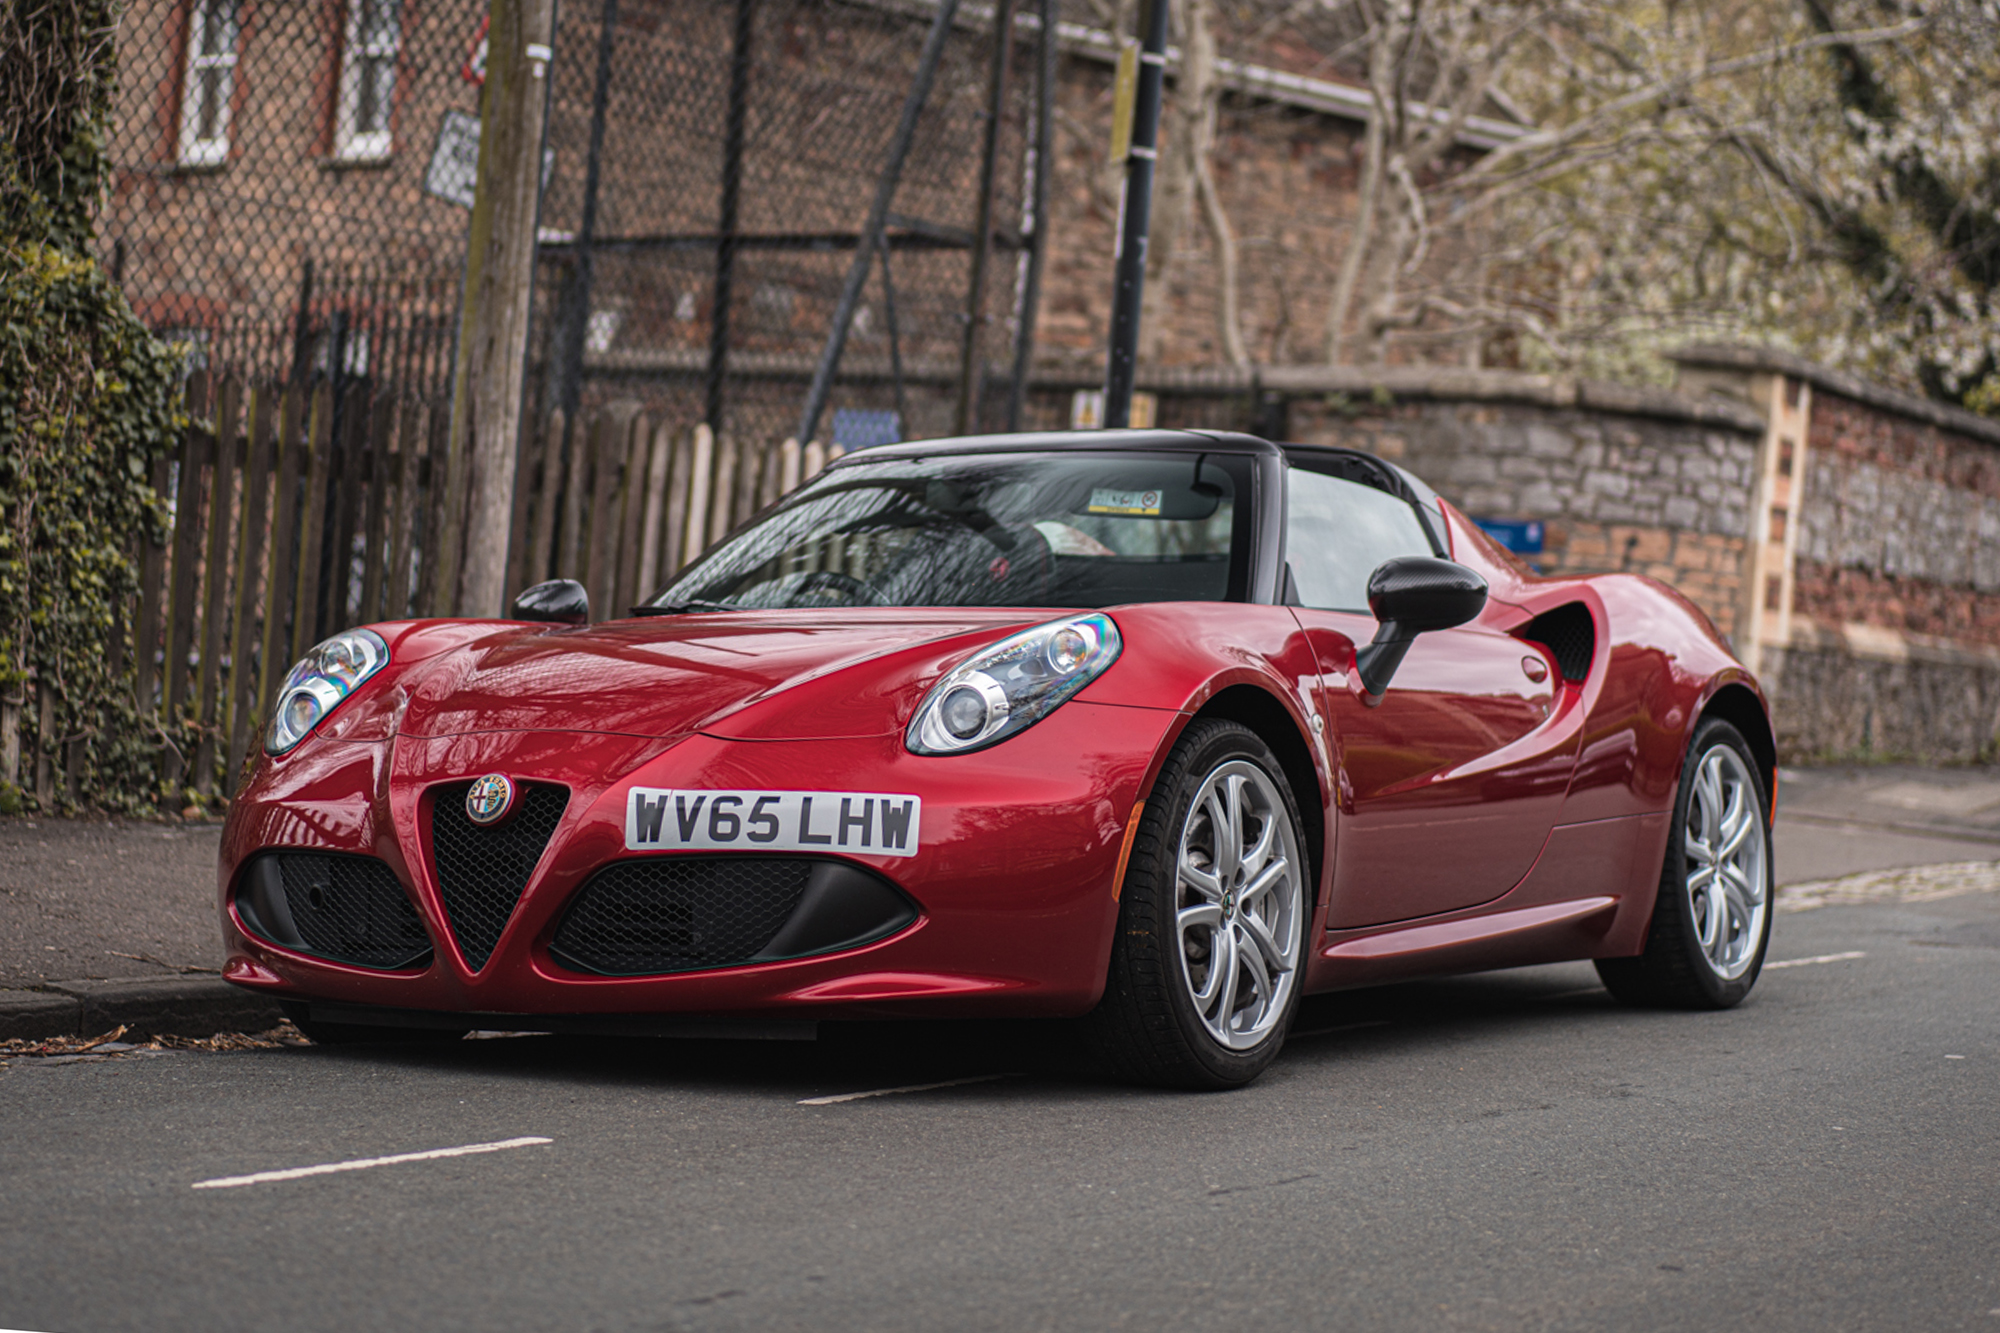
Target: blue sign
[
  {"x": 1521, "y": 536},
  {"x": 854, "y": 428}
]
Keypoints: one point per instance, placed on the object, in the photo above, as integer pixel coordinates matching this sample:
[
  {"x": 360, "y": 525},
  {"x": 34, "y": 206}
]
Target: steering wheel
[{"x": 850, "y": 590}]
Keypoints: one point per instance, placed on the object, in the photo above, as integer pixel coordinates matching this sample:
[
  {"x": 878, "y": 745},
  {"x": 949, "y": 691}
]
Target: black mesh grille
[
  {"x": 674, "y": 914},
  {"x": 351, "y": 909},
  {"x": 1567, "y": 632},
  {"x": 482, "y": 871}
]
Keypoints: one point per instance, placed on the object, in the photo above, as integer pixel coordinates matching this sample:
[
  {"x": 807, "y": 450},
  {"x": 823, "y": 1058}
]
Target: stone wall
[
  {"x": 1623, "y": 480},
  {"x": 1887, "y": 644},
  {"x": 1844, "y": 536}
]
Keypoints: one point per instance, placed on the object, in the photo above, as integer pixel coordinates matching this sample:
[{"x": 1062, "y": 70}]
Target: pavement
[
  {"x": 106, "y": 922},
  {"x": 1837, "y": 821},
  {"x": 1504, "y": 1151}
]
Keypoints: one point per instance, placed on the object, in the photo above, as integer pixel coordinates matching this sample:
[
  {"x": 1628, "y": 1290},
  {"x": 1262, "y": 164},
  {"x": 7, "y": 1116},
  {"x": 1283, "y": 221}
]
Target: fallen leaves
[{"x": 111, "y": 1044}]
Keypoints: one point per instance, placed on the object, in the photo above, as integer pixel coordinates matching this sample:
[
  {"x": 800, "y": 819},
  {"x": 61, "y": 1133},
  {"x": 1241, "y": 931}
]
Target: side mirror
[
  {"x": 561, "y": 601},
  {"x": 1412, "y": 595}
]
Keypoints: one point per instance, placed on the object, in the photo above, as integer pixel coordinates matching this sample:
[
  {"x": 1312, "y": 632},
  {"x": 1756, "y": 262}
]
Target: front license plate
[{"x": 869, "y": 823}]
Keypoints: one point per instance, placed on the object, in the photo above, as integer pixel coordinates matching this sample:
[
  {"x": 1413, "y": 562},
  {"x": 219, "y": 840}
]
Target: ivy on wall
[{"x": 88, "y": 399}]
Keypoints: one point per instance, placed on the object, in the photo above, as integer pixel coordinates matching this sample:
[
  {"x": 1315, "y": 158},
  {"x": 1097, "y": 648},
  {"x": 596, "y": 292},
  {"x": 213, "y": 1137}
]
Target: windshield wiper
[{"x": 681, "y": 608}]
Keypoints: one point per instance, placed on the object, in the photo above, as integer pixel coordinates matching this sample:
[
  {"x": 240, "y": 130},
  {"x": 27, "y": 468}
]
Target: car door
[{"x": 1450, "y": 782}]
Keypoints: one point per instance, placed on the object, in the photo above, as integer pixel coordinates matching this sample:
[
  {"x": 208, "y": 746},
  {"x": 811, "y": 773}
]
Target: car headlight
[
  {"x": 323, "y": 677},
  {"x": 1011, "y": 685}
]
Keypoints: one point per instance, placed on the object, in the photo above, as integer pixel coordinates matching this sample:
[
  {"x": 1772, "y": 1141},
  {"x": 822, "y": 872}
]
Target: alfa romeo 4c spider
[{"x": 1154, "y": 731}]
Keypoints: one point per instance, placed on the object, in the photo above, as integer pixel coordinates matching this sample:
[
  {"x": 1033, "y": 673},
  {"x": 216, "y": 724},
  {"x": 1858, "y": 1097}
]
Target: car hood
[{"x": 769, "y": 675}]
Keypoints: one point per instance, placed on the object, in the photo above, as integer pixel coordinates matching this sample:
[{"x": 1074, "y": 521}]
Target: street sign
[
  {"x": 453, "y": 174},
  {"x": 1521, "y": 536},
  {"x": 454, "y": 170}
]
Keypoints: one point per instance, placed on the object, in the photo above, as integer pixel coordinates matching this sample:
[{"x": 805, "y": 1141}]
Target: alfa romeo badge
[{"x": 490, "y": 799}]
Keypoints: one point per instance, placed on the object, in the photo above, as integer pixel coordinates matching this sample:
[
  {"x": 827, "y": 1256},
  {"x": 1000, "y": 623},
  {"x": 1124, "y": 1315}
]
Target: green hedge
[{"x": 88, "y": 399}]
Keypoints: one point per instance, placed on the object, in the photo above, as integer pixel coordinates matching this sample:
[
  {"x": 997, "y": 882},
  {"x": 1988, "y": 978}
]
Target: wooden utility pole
[{"x": 488, "y": 380}]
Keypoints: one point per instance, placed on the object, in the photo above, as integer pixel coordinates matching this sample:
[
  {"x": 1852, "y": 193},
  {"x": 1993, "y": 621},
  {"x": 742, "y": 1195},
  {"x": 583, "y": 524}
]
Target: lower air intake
[
  {"x": 348, "y": 909},
  {"x": 668, "y": 914},
  {"x": 483, "y": 871}
]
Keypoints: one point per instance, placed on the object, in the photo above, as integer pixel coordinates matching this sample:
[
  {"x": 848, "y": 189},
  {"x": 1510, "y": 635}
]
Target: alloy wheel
[
  {"x": 1728, "y": 856},
  {"x": 1239, "y": 882}
]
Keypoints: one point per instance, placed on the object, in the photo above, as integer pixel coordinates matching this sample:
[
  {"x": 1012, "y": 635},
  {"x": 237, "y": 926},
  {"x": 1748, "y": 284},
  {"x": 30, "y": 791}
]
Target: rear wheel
[
  {"x": 1205, "y": 969},
  {"x": 1712, "y": 920}
]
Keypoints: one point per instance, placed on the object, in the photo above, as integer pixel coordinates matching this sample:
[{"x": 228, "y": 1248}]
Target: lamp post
[{"x": 1135, "y": 214}]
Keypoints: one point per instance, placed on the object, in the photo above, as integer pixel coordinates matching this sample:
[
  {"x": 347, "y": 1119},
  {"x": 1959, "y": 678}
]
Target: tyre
[
  {"x": 1712, "y": 920},
  {"x": 355, "y": 1034},
  {"x": 1207, "y": 962}
]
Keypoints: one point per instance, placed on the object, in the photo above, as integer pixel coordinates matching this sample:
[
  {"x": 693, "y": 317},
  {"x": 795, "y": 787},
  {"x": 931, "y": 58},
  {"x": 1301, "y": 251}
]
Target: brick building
[{"x": 285, "y": 170}]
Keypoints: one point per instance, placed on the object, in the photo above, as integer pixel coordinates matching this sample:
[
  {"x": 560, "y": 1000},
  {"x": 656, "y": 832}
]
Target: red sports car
[{"x": 1157, "y": 730}]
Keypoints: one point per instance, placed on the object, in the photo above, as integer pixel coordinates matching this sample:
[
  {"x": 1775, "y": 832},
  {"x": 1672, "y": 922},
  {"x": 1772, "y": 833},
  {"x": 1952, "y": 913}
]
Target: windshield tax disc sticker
[
  {"x": 662, "y": 819},
  {"x": 1145, "y": 504}
]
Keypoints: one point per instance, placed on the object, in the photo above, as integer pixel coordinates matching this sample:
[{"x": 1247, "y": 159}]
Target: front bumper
[{"x": 1014, "y": 879}]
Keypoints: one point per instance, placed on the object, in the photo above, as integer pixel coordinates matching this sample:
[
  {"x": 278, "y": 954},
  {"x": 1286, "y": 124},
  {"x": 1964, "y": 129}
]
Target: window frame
[
  {"x": 191, "y": 149},
  {"x": 1370, "y": 474},
  {"x": 351, "y": 143}
]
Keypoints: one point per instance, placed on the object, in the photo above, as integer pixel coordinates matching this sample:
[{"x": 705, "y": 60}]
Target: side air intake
[
  {"x": 349, "y": 909},
  {"x": 662, "y": 914},
  {"x": 1569, "y": 634}
]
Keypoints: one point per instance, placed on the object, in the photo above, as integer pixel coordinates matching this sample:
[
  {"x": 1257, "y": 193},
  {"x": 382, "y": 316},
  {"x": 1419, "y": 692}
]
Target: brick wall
[
  {"x": 1891, "y": 646},
  {"x": 1901, "y": 525},
  {"x": 1288, "y": 179}
]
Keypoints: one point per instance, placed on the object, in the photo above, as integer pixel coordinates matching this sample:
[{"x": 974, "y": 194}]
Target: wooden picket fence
[
  {"x": 295, "y": 515},
  {"x": 630, "y": 501}
]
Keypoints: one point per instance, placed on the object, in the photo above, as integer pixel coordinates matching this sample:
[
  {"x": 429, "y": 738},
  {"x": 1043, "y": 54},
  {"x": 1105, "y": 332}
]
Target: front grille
[
  {"x": 675, "y": 914},
  {"x": 351, "y": 909},
  {"x": 482, "y": 871}
]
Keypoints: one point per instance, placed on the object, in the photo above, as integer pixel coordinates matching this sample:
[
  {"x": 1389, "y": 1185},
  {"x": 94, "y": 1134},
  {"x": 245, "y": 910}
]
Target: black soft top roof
[
  {"x": 1354, "y": 464},
  {"x": 1048, "y": 441}
]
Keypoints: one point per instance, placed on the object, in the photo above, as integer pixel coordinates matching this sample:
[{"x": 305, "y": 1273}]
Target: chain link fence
[
  {"x": 275, "y": 199},
  {"x": 713, "y": 164},
  {"x": 292, "y": 182}
]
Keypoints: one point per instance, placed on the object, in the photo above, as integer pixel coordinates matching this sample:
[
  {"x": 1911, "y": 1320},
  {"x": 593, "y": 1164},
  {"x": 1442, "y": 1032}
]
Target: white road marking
[
  {"x": 1954, "y": 1057},
  {"x": 1822, "y": 958},
  {"x": 363, "y": 1163},
  {"x": 891, "y": 1092},
  {"x": 1347, "y": 1027}
]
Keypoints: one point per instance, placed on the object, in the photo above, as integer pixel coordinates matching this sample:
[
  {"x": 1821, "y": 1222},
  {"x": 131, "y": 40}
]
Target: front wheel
[
  {"x": 1205, "y": 969},
  {"x": 1712, "y": 920}
]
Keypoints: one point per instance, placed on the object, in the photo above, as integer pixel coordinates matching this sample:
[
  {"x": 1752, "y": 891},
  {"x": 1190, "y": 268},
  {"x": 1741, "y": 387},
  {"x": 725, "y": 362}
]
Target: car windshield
[{"x": 1064, "y": 530}]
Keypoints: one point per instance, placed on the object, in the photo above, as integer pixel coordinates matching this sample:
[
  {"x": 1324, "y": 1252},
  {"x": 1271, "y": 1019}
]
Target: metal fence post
[
  {"x": 878, "y": 213},
  {"x": 1121, "y": 364},
  {"x": 732, "y": 187},
  {"x": 969, "y": 365},
  {"x": 573, "y": 323},
  {"x": 1037, "y": 229}
]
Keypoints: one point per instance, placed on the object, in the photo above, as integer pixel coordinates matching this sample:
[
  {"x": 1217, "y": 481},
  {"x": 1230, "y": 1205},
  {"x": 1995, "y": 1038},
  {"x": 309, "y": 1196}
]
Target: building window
[
  {"x": 367, "y": 79},
  {"x": 210, "y": 82}
]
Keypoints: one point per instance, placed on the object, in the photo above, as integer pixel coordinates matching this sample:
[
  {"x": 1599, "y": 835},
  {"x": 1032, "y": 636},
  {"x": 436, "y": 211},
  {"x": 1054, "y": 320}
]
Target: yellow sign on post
[{"x": 1124, "y": 90}]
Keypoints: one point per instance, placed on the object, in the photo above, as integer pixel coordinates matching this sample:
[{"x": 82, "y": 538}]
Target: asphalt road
[{"x": 1504, "y": 1151}]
